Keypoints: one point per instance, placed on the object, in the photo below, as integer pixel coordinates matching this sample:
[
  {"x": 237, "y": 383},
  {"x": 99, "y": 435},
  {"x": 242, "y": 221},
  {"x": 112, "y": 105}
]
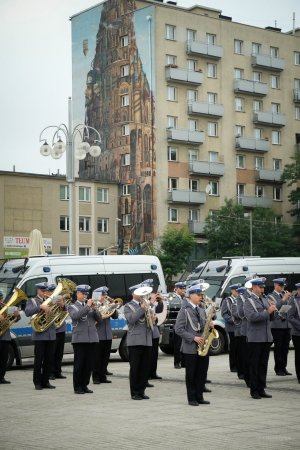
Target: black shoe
[
  {"x": 108, "y": 373},
  {"x": 256, "y": 396},
  {"x": 79, "y": 391},
  {"x": 60, "y": 377},
  {"x": 48, "y": 386},
  {"x": 233, "y": 370},
  {"x": 96, "y": 381},
  {"x": 52, "y": 377},
  {"x": 104, "y": 381},
  {"x": 241, "y": 376},
  {"x": 177, "y": 366},
  {"x": 299, "y": 380},
  {"x": 193, "y": 403},
  {"x": 265, "y": 395},
  {"x": 206, "y": 389},
  {"x": 149, "y": 385},
  {"x": 155, "y": 377},
  {"x": 144, "y": 397},
  {"x": 203, "y": 402},
  {"x": 287, "y": 373},
  {"x": 4, "y": 381},
  {"x": 136, "y": 397},
  {"x": 86, "y": 390},
  {"x": 281, "y": 374},
  {"x": 38, "y": 387},
  {"x": 207, "y": 381}
]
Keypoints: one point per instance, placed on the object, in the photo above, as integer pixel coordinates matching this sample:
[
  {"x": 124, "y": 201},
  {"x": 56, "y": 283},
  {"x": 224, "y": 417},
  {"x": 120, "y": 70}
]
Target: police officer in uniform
[
  {"x": 139, "y": 343},
  {"x": 84, "y": 316},
  {"x": 44, "y": 342},
  {"x": 226, "y": 312},
  {"x": 103, "y": 347},
  {"x": 257, "y": 311},
  {"x": 4, "y": 343},
  {"x": 157, "y": 306},
  {"x": 280, "y": 327},
  {"x": 242, "y": 347},
  {"x": 178, "y": 294},
  {"x": 189, "y": 326},
  {"x": 293, "y": 316}
]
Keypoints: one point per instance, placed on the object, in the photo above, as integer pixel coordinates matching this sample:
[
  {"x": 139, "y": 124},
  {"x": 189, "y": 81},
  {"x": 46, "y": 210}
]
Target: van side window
[
  {"x": 234, "y": 280},
  {"x": 30, "y": 286}
]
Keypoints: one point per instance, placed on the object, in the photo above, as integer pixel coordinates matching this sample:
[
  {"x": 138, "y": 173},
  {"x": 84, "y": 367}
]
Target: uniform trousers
[
  {"x": 177, "y": 345},
  {"x": 296, "y": 342},
  {"x": 154, "y": 357},
  {"x": 58, "y": 353},
  {"x": 4, "y": 347},
  {"x": 195, "y": 375},
  {"x": 43, "y": 360},
  {"x": 240, "y": 355},
  {"x": 102, "y": 354},
  {"x": 84, "y": 353},
  {"x": 281, "y": 339},
  {"x": 139, "y": 360},
  {"x": 258, "y": 365},
  {"x": 232, "y": 351}
]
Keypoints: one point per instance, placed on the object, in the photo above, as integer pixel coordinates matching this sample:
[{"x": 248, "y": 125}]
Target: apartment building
[
  {"x": 192, "y": 108},
  {"x": 31, "y": 201}
]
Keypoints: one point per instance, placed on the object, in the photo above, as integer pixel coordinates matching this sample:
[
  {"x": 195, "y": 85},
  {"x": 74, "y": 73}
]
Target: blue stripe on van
[{"x": 118, "y": 324}]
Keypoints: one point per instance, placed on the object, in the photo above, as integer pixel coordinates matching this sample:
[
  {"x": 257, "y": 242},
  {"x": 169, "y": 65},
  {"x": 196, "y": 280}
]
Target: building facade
[
  {"x": 31, "y": 201},
  {"x": 192, "y": 109}
]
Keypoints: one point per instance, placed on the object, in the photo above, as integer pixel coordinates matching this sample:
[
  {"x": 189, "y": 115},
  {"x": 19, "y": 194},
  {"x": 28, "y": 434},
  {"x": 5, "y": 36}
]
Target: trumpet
[{"x": 109, "y": 306}]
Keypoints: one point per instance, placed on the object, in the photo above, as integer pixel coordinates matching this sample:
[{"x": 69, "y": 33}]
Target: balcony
[
  {"x": 177, "y": 196},
  {"x": 250, "y": 87},
  {"x": 207, "y": 168},
  {"x": 296, "y": 95},
  {"x": 269, "y": 175},
  {"x": 255, "y": 202},
  {"x": 204, "y": 49},
  {"x": 196, "y": 227},
  {"x": 269, "y": 118},
  {"x": 268, "y": 62},
  {"x": 206, "y": 109},
  {"x": 185, "y": 136},
  {"x": 252, "y": 144},
  {"x": 183, "y": 76}
]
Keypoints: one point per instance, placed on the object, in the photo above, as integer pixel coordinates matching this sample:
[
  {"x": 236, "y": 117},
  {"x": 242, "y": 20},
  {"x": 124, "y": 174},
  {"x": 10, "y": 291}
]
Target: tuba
[
  {"x": 109, "y": 306},
  {"x": 144, "y": 292},
  {"x": 9, "y": 319},
  {"x": 69, "y": 287}
]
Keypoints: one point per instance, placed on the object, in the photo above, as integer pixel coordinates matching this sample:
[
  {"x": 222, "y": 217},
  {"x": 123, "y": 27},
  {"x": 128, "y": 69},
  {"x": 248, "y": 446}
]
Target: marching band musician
[
  {"x": 293, "y": 316},
  {"x": 237, "y": 320},
  {"x": 103, "y": 347},
  {"x": 189, "y": 325},
  {"x": 226, "y": 312},
  {"x": 84, "y": 337},
  {"x": 139, "y": 343},
  {"x": 179, "y": 294},
  {"x": 157, "y": 305},
  {"x": 4, "y": 343},
  {"x": 44, "y": 341},
  {"x": 257, "y": 311},
  {"x": 242, "y": 348},
  {"x": 280, "y": 327}
]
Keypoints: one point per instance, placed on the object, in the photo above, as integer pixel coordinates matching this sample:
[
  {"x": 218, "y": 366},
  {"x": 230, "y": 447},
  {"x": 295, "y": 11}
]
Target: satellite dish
[{"x": 208, "y": 189}]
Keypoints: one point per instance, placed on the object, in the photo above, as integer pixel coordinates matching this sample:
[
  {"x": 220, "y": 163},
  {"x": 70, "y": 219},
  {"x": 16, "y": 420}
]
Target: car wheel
[
  {"x": 167, "y": 349},
  {"x": 123, "y": 350},
  {"x": 218, "y": 345}
]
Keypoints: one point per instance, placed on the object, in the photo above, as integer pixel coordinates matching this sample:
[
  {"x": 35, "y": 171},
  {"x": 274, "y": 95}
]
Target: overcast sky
[{"x": 35, "y": 62}]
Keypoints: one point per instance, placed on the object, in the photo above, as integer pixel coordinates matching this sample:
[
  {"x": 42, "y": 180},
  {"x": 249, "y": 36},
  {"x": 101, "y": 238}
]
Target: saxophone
[{"x": 208, "y": 335}]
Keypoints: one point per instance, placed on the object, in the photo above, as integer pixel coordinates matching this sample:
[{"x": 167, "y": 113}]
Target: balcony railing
[
  {"x": 252, "y": 144},
  {"x": 184, "y": 75},
  {"x": 202, "y": 48},
  {"x": 190, "y": 137},
  {"x": 269, "y": 118},
  {"x": 206, "y": 109},
  {"x": 255, "y": 202},
  {"x": 179, "y": 196},
  {"x": 207, "y": 168},
  {"x": 196, "y": 227},
  {"x": 250, "y": 87},
  {"x": 269, "y": 175},
  {"x": 268, "y": 62},
  {"x": 296, "y": 95}
]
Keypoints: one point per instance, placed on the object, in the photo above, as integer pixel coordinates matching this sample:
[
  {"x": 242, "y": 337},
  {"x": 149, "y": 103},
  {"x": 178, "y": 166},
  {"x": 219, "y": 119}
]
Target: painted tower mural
[{"x": 119, "y": 103}]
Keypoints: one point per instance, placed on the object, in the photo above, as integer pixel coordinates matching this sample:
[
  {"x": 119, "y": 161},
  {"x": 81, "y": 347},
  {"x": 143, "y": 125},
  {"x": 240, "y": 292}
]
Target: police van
[
  {"x": 117, "y": 272},
  {"x": 222, "y": 273}
]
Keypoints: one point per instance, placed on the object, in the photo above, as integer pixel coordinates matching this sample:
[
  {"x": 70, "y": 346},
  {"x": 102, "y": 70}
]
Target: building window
[
  {"x": 173, "y": 184},
  {"x": 240, "y": 161},
  {"x": 212, "y": 98},
  {"x": 191, "y": 35},
  {"x": 126, "y": 189},
  {"x": 63, "y": 250},
  {"x": 102, "y": 225},
  {"x": 257, "y": 105},
  {"x": 84, "y": 194},
  {"x": 297, "y": 84},
  {"x": 259, "y": 191},
  {"x": 259, "y": 162},
  {"x": 172, "y": 154},
  {"x": 297, "y": 112},
  {"x": 63, "y": 192},
  {"x": 297, "y": 58},
  {"x": 171, "y": 59},
  {"x": 274, "y": 79},
  {"x": 191, "y": 65},
  {"x": 256, "y": 48},
  {"x": 238, "y": 74},
  {"x": 239, "y": 104},
  {"x": 64, "y": 223},
  {"x": 172, "y": 122},
  {"x": 274, "y": 52},
  {"x": 84, "y": 251},
  {"x": 192, "y": 95},
  {"x": 170, "y": 32},
  {"x": 193, "y": 155},
  {"x": 277, "y": 164},
  {"x": 213, "y": 156},
  {"x": 126, "y": 220},
  {"x": 193, "y": 185},
  {"x": 210, "y": 39},
  {"x": 240, "y": 190},
  {"x": 192, "y": 124},
  {"x": 238, "y": 47},
  {"x": 239, "y": 131},
  {"x": 125, "y": 130},
  {"x": 211, "y": 70},
  {"x": 125, "y": 159},
  {"x": 257, "y": 76},
  {"x": 84, "y": 224},
  {"x": 277, "y": 193},
  {"x": 172, "y": 93},
  {"x": 124, "y": 41},
  {"x": 101, "y": 251},
  {"x": 214, "y": 188},
  {"x": 212, "y": 129},
  {"x": 125, "y": 70},
  {"x": 194, "y": 215},
  {"x": 277, "y": 219},
  {"x": 102, "y": 195},
  {"x": 275, "y": 108},
  {"x": 257, "y": 133},
  {"x": 125, "y": 100},
  {"x": 172, "y": 215},
  {"x": 276, "y": 137}
]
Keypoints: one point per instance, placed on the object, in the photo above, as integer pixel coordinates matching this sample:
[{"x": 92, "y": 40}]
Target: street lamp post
[
  {"x": 77, "y": 146},
  {"x": 116, "y": 230},
  {"x": 249, "y": 214}
]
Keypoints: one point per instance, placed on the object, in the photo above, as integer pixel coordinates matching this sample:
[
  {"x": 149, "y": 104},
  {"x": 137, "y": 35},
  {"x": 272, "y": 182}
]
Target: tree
[
  {"x": 228, "y": 233},
  {"x": 291, "y": 174},
  {"x": 176, "y": 246}
]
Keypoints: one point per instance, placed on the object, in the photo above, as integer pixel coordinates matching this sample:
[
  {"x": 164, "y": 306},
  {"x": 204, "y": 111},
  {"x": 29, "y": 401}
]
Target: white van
[{"x": 118, "y": 273}]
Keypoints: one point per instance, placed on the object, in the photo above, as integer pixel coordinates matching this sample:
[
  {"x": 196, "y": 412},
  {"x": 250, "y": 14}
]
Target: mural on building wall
[{"x": 119, "y": 103}]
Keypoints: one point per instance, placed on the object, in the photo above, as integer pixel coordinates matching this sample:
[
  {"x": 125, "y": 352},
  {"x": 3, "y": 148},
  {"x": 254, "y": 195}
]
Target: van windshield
[
  {"x": 215, "y": 285},
  {"x": 10, "y": 275}
]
